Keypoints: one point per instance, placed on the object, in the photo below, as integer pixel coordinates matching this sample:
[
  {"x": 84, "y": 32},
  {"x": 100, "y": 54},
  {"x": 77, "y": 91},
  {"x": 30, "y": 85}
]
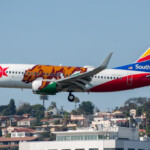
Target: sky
[{"x": 74, "y": 33}]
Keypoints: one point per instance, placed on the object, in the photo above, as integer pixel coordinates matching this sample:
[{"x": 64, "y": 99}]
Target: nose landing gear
[{"x": 71, "y": 97}]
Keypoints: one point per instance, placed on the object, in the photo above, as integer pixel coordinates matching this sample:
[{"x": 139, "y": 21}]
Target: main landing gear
[{"x": 71, "y": 97}]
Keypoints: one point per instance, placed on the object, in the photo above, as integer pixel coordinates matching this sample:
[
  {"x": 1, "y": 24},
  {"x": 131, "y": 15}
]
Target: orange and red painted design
[{"x": 50, "y": 72}]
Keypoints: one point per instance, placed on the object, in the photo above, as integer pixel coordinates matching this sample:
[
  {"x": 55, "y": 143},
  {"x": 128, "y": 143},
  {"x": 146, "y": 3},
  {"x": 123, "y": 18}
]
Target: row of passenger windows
[
  {"x": 52, "y": 74},
  {"x": 15, "y": 72},
  {"x": 107, "y": 77}
]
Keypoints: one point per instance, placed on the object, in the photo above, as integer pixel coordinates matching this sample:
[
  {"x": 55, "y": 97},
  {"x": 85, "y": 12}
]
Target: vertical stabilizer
[{"x": 145, "y": 56}]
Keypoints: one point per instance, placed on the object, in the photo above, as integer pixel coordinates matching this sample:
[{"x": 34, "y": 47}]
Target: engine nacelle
[{"x": 45, "y": 87}]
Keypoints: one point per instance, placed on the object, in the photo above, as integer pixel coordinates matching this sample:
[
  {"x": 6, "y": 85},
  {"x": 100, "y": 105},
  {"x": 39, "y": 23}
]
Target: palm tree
[{"x": 43, "y": 97}]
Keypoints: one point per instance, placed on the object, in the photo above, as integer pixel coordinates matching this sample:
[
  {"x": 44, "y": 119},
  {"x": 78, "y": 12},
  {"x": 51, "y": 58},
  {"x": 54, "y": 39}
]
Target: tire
[{"x": 71, "y": 98}]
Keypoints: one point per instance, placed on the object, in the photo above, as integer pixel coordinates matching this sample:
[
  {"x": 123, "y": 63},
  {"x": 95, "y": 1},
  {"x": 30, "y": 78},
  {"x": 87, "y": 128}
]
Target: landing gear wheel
[{"x": 71, "y": 97}]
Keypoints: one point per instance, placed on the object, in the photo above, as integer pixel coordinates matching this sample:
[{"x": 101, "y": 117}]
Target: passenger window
[
  {"x": 47, "y": 74},
  {"x": 110, "y": 77},
  {"x": 107, "y": 77},
  {"x": 28, "y": 72},
  {"x": 44, "y": 74},
  {"x": 101, "y": 77},
  {"x": 104, "y": 77},
  {"x": 95, "y": 76},
  {"x": 13, "y": 72},
  {"x": 35, "y": 73},
  {"x": 19, "y": 72},
  {"x": 16, "y": 72},
  {"x": 9, "y": 71}
]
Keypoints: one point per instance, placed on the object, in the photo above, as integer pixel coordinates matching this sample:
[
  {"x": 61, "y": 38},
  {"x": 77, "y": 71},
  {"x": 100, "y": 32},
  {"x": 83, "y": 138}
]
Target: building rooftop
[{"x": 10, "y": 139}]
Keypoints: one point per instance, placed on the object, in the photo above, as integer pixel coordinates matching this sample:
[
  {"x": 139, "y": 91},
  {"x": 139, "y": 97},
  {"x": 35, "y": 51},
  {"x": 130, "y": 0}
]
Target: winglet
[{"x": 106, "y": 61}]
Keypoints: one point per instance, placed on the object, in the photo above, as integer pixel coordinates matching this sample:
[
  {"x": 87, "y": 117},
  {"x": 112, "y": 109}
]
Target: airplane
[{"x": 49, "y": 80}]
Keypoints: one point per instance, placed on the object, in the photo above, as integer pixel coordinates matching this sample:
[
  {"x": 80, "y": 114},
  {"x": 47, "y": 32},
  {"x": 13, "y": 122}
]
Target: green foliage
[
  {"x": 2, "y": 108},
  {"x": 11, "y": 108},
  {"x": 52, "y": 106},
  {"x": 43, "y": 97},
  {"x": 25, "y": 108},
  {"x": 86, "y": 108},
  {"x": 38, "y": 111},
  {"x": 56, "y": 122},
  {"x": 37, "y": 122},
  {"x": 66, "y": 118},
  {"x": 44, "y": 135}
]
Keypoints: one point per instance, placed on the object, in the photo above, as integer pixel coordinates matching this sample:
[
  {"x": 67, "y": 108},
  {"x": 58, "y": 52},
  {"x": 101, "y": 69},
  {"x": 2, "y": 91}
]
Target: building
[
  {"x": 23, "y": 132},
  {"x": 26, "y": 122},
  {"x": 13, "y": 143},
  {"x": 114, "y": 138}
]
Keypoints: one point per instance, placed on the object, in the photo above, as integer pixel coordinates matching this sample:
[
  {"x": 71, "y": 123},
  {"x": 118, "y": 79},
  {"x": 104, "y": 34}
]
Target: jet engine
[{"x": 45, "y": 87}]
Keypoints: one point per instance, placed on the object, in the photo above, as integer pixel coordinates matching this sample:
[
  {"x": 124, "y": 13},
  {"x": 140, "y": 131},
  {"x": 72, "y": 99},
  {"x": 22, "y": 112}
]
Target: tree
[
  {"x": 86, "y": 107},
  {"x": 11, "y": 108},
  {"x": 66, "y": 118},
  {"x": 2, "y": 108},
  {"x": 52, "y": 106},
  {"x": 43, "y": 97},
  {"x": 24, "y": 108},
  {"x": 38, "y": 111},
  {"x": 44, "y": 135}
]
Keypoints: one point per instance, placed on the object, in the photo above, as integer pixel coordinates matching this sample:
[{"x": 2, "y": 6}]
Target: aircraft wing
[{"x": 82, "y": 79}]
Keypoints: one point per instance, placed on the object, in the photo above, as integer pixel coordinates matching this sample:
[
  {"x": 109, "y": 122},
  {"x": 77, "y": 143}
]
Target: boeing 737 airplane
[{"x": 50, "y": 80}]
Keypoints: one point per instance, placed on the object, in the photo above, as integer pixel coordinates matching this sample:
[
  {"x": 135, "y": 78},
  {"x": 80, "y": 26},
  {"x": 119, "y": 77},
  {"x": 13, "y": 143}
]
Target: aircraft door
[{"x": 129, "y": 79}]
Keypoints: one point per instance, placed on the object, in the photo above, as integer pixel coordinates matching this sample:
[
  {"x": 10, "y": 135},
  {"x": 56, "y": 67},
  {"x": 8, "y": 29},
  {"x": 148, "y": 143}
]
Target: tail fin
[{"x": 145, "y": 56}]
